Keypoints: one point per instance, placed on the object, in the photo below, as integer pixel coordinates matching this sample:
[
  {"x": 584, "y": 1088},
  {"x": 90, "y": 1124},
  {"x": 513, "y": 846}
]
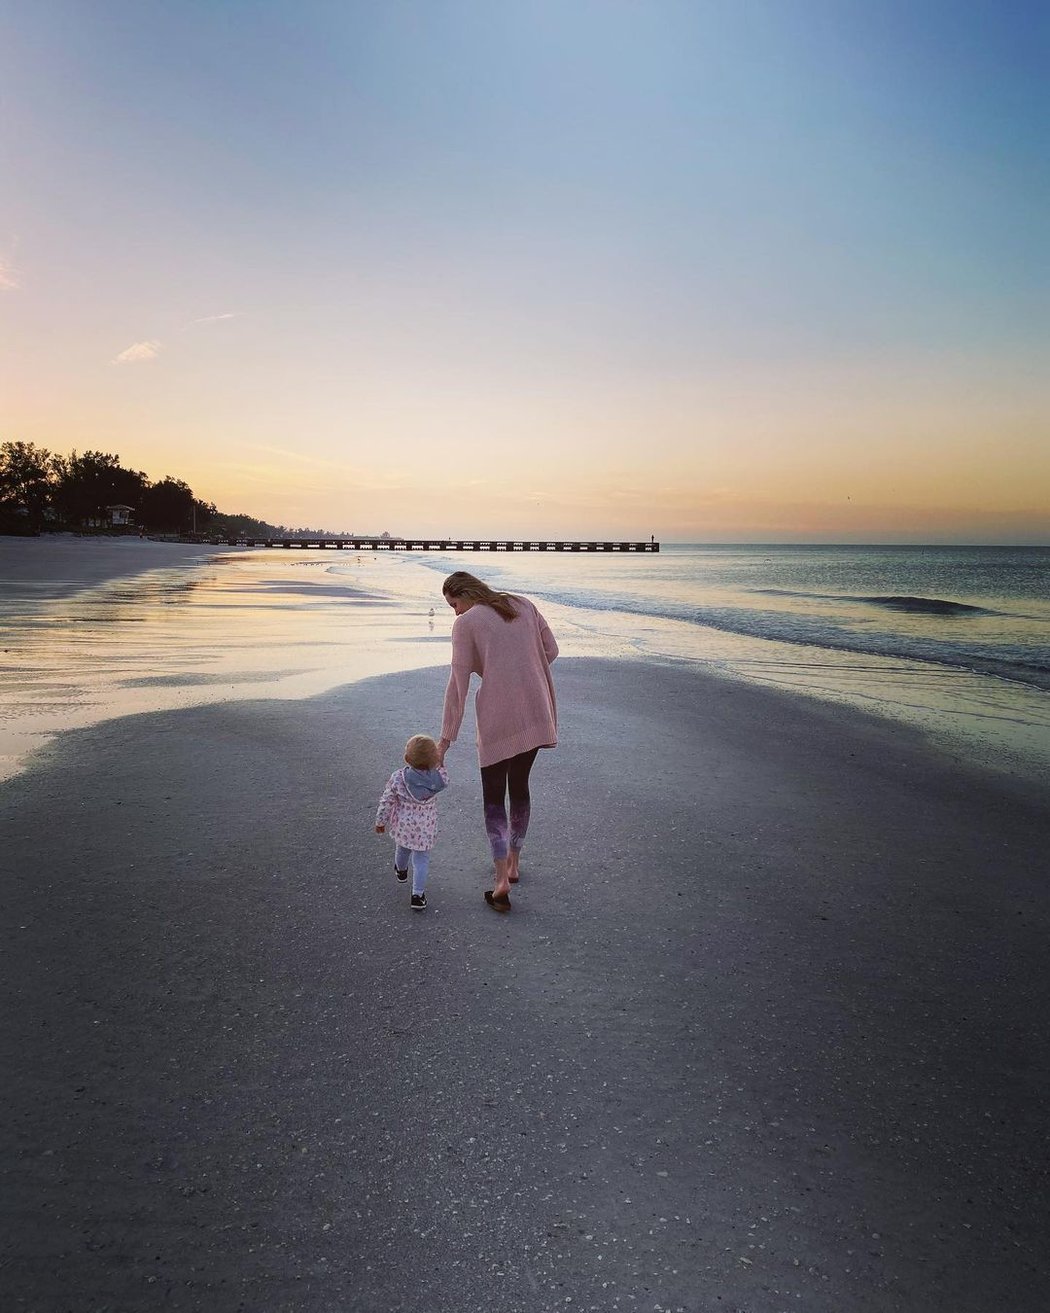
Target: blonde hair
[
  {"x": 421, "y": 752},
  {"x": 461, "y": 584}
]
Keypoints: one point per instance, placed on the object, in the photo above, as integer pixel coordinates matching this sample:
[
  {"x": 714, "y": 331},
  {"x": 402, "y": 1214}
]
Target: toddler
[{"x": 408, "y": 807}]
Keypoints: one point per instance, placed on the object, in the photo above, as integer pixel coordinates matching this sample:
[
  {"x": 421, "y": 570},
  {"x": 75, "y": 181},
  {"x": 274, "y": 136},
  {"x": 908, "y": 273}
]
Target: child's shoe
[
  {"x": 402, "y": 876},
  {"x": 418, "y": 902}
]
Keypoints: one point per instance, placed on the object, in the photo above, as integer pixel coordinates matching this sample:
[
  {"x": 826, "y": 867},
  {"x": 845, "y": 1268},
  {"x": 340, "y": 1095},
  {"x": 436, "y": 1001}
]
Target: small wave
[
  {"x": 905, "y": 602},
  {"x": 927, "y": 605}
]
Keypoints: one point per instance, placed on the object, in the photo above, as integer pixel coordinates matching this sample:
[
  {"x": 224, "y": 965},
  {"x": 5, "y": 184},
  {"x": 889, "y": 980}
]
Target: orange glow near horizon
[{"x": 796, "y": 460}]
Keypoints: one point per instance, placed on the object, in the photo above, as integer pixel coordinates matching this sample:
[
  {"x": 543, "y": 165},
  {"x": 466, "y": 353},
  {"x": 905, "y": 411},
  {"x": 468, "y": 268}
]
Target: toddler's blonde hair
[{"x": 422, "y": 752}]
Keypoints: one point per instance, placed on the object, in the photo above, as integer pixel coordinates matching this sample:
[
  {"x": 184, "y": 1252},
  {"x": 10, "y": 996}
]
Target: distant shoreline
[
  {"x": 664, "y": 543},
  {"x": 71, "y": 564}
]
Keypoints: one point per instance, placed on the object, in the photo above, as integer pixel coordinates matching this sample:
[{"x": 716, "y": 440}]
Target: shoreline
[
  {"x": 770, "y": 968},
  {"x": 128, "y": 626},
  {"x": 959, "y": 712},
  {"x": 965, "y": 707},
  {"x": 88, "y": 561}
]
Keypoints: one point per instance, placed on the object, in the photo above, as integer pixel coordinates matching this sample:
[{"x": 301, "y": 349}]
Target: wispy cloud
[
  {"x": 138, "y": 352},
  {"x": 9, "y": 279},
  {"x": 297, "y": 459},
  {"x": 214, "y": 319}
]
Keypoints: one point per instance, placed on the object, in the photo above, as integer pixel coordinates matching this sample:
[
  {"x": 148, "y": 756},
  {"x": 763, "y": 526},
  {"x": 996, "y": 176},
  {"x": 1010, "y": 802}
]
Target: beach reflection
[
  {"x": 241, "y": 625},
  {"x": 292, "y": 624}
]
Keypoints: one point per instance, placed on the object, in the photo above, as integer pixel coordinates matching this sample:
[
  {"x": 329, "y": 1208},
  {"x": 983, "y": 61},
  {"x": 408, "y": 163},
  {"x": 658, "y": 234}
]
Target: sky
[{"x": 713, "y": 270}]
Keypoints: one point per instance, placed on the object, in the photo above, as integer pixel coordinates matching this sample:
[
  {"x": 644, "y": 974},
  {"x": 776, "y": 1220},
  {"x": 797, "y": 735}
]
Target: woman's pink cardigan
[{"x": 515, "y": 704}]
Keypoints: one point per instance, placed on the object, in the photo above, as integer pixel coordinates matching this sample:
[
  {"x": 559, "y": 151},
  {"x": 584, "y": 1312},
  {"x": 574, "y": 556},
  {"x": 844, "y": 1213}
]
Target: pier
[{"x": 386, "y": 544}]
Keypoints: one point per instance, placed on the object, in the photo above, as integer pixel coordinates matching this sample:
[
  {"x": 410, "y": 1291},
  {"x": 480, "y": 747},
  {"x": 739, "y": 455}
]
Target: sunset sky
[{"x": 751, "y": 270}]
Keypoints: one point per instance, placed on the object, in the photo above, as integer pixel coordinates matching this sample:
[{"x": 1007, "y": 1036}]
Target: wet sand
[
  {"x": 91, "y": 630},
  {"x": 764, "y": 1030},
  {"x": 56, "y": 565}
]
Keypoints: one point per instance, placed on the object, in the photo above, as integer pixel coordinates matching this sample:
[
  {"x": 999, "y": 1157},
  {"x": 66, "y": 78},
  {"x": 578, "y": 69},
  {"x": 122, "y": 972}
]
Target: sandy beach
[
  {"x": 763, "y": 1031},
  {"x": 59, "y": 564},
  {"x": 713, "y": 330}
]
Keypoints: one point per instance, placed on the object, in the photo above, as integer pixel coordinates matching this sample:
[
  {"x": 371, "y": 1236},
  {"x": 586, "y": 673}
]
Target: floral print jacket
[{"x": 411, "y": 821}]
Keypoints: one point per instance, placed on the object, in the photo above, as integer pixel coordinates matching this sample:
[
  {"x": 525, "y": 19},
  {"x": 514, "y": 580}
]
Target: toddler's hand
[{"x": 380, "y": 829}]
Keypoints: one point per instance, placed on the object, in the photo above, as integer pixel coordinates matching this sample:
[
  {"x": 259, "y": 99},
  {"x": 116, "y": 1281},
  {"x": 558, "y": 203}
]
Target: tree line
[{"x": 41, "y": 490}]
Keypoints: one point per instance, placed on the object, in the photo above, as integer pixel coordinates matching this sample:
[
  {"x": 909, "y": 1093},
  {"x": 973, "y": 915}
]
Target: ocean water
[
  {"x": 954, "y": 641},
  {"x": 979, "y": 609}
]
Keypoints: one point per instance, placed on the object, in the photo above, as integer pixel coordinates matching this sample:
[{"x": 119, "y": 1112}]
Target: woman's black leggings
[{"x": 503, "y": 778}]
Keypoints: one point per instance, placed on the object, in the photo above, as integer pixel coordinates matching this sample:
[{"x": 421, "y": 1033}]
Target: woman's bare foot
[
  {"x": 501, "y": 885},
  {"x": 513, "y": 860}
]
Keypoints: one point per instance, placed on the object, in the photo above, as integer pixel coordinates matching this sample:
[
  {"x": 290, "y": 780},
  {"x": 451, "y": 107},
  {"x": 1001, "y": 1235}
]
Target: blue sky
[{"x": 741, "y": 269}]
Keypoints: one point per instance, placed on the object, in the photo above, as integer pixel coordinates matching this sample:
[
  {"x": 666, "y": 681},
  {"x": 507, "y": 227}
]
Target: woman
[{"x": 505, "y": 640}]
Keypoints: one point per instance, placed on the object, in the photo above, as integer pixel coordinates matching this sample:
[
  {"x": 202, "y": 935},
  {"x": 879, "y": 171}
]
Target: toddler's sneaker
[
  {"x": 418, "y": 901},
  {"x": 402, "y": 876}
]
